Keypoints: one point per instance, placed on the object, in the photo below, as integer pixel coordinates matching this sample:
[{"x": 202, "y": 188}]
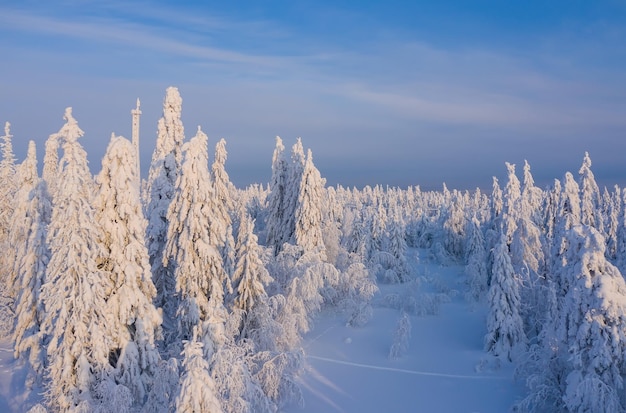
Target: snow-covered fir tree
[
  {"x": 222, "y": 187},
  {"x": 476, "y": 258},
  {"x": 51, "y": 163},
  {"x": 612, "y": 205},
  {"x": 197, "y": 389},
  {"x": 532, "y": 196},
  {"x": 277, "y": 197},
  {"x": 162, "y": 176},
  {"x": 250, "y": 276},
  {"x": 591, "y": 321},
  {"x": 8, "y": 187},
  {"x": 32, "y": 214},
  {"x": 19, "y": 223},
  {"x": 224, "y": 206},
  {"x": 194, "y": 238},
  {"x": 8, "y": 182},
  {"x": 454, "y": 226},
  {"x": 511, "y": 203},
  {"x": 590, "y": 199},
  {"x": 398, "y": 248},
  {"x": 134, "y": 321},
  {"x": 505, "y": 327},
  {"x": 308, "y": 216},
  {"x": 620, "y": 260},
  {"x": 550, "y": 210},
  {"x": 76, "y": 320}
]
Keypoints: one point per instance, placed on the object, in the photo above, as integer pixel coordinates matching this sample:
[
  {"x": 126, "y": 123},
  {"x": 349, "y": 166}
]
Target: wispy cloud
[{"x": 133, "y": 35}]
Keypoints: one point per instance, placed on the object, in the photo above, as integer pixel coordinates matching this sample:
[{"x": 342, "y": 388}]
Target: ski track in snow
[{"x": 418, "y": 373}]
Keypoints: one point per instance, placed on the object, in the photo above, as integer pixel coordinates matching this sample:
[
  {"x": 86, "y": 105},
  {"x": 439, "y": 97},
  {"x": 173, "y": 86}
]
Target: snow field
[{"x": 444, "y": 370}]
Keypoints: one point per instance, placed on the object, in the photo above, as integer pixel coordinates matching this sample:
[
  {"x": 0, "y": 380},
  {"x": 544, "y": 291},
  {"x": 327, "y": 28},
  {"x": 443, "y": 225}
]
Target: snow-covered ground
[
  {"x": 7, "y": 384},
  {"x": 444, "y": 370}
]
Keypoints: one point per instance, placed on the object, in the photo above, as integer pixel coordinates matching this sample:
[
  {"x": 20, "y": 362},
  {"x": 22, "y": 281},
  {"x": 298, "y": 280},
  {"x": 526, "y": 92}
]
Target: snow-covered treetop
[
  {"x": 172, "y": 105},
  {"x": 586, "y": 164},
  {"x": 28, "y": 169},
  {"x": 512, "y": 190},
  {"x": 297, "y": 153},
  {"x": 7, "y": 147},
  {"x": 220, "y": 152},
  {"x": 170, "y": 136},
  {"x": 278, "y": 150},
  {"x": 570, "y": 202},
  {"x": 529, "y": 181},
  {"x": 70, "y": 131}
]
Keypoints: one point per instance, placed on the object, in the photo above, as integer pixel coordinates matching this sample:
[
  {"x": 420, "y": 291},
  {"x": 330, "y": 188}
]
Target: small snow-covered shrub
[{"x": 401, "y": 337}]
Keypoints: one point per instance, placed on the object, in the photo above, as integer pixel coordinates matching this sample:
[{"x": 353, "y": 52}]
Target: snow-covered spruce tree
[
  {"x": 591, "y": 324},
  {"x": 32, "y": 213},
  {"x": 590, "y": 199},
  {"x": 296, "y": 171},
  {"x": 250, "y": 276},
  {"x": 505, "y": 327},
  {"x": 548, "y": 361},
  {"x": 397, "y": 248},
  {"x": 511, "y": 201},
  {"x": 476, "y": 258},
  {"x": 332, "y": 221},
  {"x": 222, "y": 187},
  {"x": 162, "y": 176},
  {"x": 18, "y": 224},
  {"x": 376, "y": 217},
  {"x": 308, "y": 217},
  {"x": 568, "y": 216},
  {"x": 8, "y": 183},
  {"x": 527, "y": 254},
  {"x": 8, "y": 187},
  {"x": 621, "y": 236},
  {"x": 193, "y": 249},
  {"x": 228, "y": 252},
  {"x": 612, "y": 205},
  {"x": 497, "y": 202},
  {"x": 236, "y": 387},
  {"x": 550, "y": 211},
  {"x": 51, "y": 164},
  {"x": 223, "y": 191},
  {"x": 165, "y": 387},
  {"x": 359, "y": 239},
  {"x": 197, "y": 389},
  {"x": 494, "y": 226},
  {"x": 74, "y": 295},
  {"x": 277, "y": 199},
  {"x": 310, "y": 282},
  {"x": 532, "y": 196},
  {"x": 355, "y": 290},
  {"x": 283, "y": 199},
  {"x": 134, "y": 321},
  {"x": 454, "y": 226}
]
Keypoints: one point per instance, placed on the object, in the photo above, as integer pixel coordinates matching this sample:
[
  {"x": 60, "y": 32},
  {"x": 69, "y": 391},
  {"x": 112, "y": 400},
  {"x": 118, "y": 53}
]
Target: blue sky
[{"x": 394, "y": 92}]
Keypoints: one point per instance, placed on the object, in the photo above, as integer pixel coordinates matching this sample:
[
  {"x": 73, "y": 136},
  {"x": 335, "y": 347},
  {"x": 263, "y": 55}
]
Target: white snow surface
[
  {"x": 444, "y": 370},
  {"x": 348, "y": 369}
]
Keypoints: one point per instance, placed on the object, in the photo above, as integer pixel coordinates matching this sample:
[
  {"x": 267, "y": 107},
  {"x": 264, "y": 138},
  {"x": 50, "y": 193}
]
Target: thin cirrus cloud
[
  {"x": 130, "y": 35},
  {"x": 251, "y": 78}
]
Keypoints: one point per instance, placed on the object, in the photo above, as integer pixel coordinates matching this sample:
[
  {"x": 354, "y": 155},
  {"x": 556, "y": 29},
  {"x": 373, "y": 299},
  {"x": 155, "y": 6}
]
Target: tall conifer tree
[
  {"x": 164, "y": 171},
  {"x": 134, "y": 321},
  {"x": 74, "y": 295}
]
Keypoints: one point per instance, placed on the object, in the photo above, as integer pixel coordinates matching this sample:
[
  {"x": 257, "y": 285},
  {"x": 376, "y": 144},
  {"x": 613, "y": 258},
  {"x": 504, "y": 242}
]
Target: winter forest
[{"x": 183, "y": 293}]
